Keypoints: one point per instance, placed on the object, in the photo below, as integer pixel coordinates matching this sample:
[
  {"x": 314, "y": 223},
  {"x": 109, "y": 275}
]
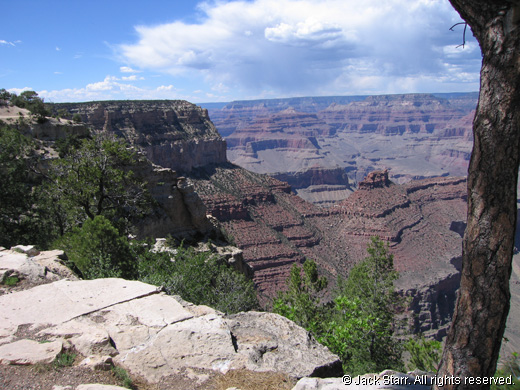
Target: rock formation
[
  {"x": 413, "y": 136},
  {"x": 421, "y": 220},
  {"x": 173, "y": 133},
  {"x": 150, "y": 334}
]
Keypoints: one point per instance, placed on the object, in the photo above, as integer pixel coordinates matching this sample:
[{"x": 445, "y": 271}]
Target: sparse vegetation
[
  {"x": 198, "y": 277},
  {"x": 30, "y": 101},
  {"x": 64, "y": 359},
  {"x": 122, "y": 375},
  {"x": 510, "y": 369},
  {"x": 11, "y": 281}
]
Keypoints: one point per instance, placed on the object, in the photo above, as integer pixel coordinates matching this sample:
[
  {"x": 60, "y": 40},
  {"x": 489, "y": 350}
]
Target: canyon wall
[
  {"x": 413, "y": 136},
  {"x": 173, "y": 133},
  {"x": 421, "y": 221},
  {"x": 172, "y": 137}
]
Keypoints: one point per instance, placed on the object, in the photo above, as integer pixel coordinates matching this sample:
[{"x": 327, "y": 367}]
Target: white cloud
[
  {"x": 303, "y": 46},
  {"x": 131, "y": 78},
  {"x": 7, "y": 43},
  {"x": 127, "y": 69},
  {"x": 18, "y": 91},
  {"x": 111, "y": 88}
]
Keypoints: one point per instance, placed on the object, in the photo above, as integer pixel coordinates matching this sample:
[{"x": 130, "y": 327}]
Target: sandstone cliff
[
  {"x": 174, "y": 134},
  {"x": 413, "y": 136}
]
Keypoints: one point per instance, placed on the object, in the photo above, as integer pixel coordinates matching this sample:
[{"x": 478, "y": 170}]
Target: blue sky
[{"x": 229, "y": 50}]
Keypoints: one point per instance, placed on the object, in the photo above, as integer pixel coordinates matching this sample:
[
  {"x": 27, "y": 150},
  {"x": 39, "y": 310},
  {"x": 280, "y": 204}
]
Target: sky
[{"x": 225, "y": 50}]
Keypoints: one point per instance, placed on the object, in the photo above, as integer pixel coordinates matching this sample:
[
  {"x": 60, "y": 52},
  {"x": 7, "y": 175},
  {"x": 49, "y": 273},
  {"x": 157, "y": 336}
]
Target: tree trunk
[{"x": 475, "y": 336}]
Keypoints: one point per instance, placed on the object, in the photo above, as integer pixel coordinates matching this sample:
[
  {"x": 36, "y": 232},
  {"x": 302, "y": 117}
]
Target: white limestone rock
[{"x": 25, "y": 352}]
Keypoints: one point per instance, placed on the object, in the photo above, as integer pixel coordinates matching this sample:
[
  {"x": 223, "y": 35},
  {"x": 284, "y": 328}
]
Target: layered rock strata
[
  {"x": 421, "y": 221},
  {"x": 174, "y": 133},
  {"x": 413, "y": 136}
]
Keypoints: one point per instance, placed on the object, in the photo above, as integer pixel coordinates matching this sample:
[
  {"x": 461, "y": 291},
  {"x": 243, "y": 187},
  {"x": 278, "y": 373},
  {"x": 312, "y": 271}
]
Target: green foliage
[
  {"x": 363, "y": 324},
  {"x": 122, "y": 375},
  {"x": 76, "y": 118},
  {"x": 98, "y": 250},
  {"x": 11, "y": 281},
  {"x": 5, "y": 96},
  {"x": 359, "y": 328},
  {"x": 66, "y": 145},
  {"x": 200, "y": 278},
  {"x": 64, "y": 359},
  {"x": 33, "y": 103},
  {"x": 63, "y": 113},
  {"x": 425, "y": 354},
  {"x": 97, "y": 179},
  {"x": 510, "y": 368},
  {"x": 23, "y": 217},
  {"x": 301, "y": 303}
]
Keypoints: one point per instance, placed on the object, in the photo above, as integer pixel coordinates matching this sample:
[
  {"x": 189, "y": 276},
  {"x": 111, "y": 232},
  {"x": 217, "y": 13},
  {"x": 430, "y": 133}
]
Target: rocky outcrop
[
  {"x": 413, "y": 136},
  {"x": 389, "y": 380},
  {"x": 177, "y": 210},
  {"x": 376, "y": 179},
  {"x": 150, "y": 334},
  {"x": 308, "y": 184},
  {"x": 174, "y": 134},
  {"x": 422, "y": 221}
]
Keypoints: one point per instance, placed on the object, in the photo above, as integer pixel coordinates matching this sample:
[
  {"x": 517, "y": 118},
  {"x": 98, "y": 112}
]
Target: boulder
[{"x": 26, "y": 262}]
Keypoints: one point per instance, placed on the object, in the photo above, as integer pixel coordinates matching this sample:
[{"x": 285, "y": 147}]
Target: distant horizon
[
  {"x": 223, "y": 103},
  {"x": 234, "y": 50}
]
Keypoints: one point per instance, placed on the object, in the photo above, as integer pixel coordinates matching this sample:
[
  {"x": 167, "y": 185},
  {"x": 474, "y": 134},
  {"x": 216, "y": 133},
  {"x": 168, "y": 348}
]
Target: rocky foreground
[{"x": 161, "y": 340}]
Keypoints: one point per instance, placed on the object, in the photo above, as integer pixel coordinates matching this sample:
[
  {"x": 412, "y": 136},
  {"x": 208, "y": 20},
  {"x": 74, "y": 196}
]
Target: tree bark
[{"x": 473, "y": 343}]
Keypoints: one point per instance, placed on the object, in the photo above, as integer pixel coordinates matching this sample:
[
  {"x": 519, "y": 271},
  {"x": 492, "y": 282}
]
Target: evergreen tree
[
  {"x": 96, "y": 178},
  {"x": 301, "y": 302},
  {"x": 363, "y": 325}
]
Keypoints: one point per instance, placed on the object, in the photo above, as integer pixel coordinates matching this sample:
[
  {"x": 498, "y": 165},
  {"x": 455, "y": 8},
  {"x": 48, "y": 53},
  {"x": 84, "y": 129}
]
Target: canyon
[
  {"x": 335, "y": 142},
  {"x": 422, "y": 220}
]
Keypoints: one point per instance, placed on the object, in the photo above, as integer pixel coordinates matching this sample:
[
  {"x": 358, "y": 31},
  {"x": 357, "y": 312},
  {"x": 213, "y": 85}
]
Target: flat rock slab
[
  {"x": 155, "y": 335},
  {"x": 24, "y": 352},
  {"x": 61, "y": 301}
]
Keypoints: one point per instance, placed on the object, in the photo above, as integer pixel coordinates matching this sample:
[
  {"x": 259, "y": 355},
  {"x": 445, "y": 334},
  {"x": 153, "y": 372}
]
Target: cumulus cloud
[
  {"x": 312, "y": 46},
  {"x": 110, "y": 88}
]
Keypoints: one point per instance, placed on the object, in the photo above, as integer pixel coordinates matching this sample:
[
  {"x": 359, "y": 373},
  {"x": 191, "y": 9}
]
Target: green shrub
[
  {"x": 360, "y": 326},
  {"x": 425, "y": 354},
  {"x": 11, "y": 281},
  {"x": 64, "y": 359},
  {"x": 98, "y": 250},
  {"x": 122, "y": 375},
  {"x": 198, "y": 277},
  {"x": 301, "y": 302}
]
